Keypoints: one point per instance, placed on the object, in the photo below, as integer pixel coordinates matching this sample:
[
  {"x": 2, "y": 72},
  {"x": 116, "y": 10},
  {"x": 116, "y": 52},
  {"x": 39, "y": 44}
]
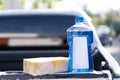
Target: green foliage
[
  {"x": 43, "y": 2},
  {"x": 109, "y": 18},
  {"x": 1, "y": 1},
  {"x": 94, "y": 17},
  {"x": 116, "y": 26},
  {"x": 87, "y": 11},
  {"x": 21, "y": 1}
]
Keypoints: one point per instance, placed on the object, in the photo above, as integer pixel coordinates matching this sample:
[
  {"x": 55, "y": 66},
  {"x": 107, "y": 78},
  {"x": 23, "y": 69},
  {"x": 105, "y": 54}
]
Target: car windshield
[{"x": 40, "y": 24}]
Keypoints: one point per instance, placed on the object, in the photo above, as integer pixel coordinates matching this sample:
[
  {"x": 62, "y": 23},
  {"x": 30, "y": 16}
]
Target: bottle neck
[
  {"x": 78, "y": 23},
  {"x": 81, "y": 24}
]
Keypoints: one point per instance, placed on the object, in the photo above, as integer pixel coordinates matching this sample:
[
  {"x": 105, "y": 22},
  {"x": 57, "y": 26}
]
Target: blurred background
[{"x": 105, "y": 15}]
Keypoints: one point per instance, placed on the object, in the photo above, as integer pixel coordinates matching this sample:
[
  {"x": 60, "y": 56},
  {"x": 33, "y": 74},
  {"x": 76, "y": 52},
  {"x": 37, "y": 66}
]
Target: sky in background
[{"x": 95, "y": 6}]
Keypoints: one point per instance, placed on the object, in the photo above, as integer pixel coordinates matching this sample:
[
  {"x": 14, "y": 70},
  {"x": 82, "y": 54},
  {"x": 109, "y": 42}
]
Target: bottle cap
[{"x": 79, "y": 19}]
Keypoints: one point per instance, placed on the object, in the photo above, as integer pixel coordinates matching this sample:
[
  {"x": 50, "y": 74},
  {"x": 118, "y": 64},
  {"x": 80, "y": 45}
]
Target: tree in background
[
  {"x": 42, "y": 4},
  {"x": 107, "y": 18},
  {"x": 111, "y": 17},
  {"x": 1, "y": 4},
  {"x": 113, "y": 20},
  {"x": 95, "y": 19},
  {"x": 39, "y": 4},
  {"x": 27, "y": 4}
]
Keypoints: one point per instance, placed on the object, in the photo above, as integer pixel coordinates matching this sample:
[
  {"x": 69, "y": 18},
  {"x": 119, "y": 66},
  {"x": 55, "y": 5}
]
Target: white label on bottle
[{"x": 80, "y": 53}]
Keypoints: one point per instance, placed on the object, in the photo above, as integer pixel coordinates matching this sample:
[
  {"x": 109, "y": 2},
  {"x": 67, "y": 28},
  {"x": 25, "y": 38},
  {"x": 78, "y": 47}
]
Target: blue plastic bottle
[{"x": 79, "y": 39}]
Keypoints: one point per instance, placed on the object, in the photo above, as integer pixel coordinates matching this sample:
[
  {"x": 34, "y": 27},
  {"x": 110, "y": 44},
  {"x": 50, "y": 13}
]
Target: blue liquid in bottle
[{"x": 79, "y": 39}]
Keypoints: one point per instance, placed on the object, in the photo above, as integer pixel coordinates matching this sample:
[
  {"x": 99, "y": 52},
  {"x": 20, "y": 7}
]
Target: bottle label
[{"x": 80, "y": 53}]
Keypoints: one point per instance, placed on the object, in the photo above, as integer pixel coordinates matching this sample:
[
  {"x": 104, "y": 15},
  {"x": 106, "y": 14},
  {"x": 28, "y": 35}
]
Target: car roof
[
  {"x": 39, "y": 12},
  {"x": 73, "y": 12}
]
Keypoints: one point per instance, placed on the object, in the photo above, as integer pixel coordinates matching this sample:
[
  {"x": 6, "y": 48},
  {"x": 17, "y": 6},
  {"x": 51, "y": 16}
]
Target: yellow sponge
[{"x": 45, "y": 65}]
